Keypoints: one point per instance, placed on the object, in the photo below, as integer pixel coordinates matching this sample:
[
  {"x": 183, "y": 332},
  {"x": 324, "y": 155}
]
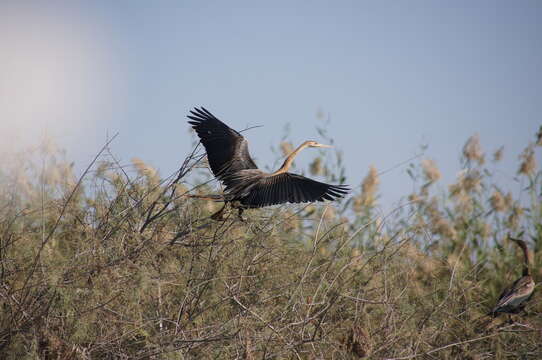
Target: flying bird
[
  {"x": 246, "y": 186},
  {"x": 514, "y": 297}
]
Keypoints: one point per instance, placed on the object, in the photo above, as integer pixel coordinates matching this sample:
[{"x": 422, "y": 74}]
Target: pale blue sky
[{"x": 391, "y": 75}]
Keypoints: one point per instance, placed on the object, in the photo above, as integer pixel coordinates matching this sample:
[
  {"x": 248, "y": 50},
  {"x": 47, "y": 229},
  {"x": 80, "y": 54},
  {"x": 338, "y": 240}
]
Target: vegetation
[{"x": 122, "y": 264}]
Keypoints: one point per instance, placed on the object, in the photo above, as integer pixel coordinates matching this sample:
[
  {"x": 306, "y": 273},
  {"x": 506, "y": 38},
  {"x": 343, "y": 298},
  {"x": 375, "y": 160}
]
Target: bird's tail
[{"x": 213, "y": 197}]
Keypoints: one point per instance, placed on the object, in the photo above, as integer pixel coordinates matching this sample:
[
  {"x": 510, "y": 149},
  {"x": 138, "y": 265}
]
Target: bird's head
[{"x": 312, "y": 143}]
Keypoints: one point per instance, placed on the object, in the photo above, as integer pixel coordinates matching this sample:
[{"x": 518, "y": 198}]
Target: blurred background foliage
[{"x": 119, "y": 263}]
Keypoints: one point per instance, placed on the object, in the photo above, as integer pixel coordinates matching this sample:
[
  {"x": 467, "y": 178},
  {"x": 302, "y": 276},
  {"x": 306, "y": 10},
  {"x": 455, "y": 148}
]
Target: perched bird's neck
[
  {"x": 290, "y": 159},
  {"x": 525, "y": 251}
]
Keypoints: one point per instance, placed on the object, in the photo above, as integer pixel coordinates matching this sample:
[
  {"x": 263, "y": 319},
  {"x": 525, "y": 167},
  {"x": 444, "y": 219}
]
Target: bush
[{"x": 122, "y": 264}]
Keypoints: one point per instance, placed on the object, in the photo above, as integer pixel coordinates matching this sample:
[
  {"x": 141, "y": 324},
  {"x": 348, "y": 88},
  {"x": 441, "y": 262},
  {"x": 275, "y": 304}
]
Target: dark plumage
[
  {"x": 514, "y": 297},
  {"x": 245, "y": 185}
]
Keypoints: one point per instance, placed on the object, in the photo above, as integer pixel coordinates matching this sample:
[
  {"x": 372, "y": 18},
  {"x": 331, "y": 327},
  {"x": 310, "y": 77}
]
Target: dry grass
[{"x": 119, "y": 264}]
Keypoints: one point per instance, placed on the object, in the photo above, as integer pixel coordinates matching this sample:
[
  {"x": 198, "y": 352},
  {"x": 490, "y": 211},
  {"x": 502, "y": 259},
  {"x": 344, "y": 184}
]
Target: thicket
[{"x": 119, "y": 264}]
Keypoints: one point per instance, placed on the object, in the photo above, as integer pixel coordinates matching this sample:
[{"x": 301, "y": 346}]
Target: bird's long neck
[
  {"x": 525, "y": 251},
  {"x": 288, "y": 161},
  {"x": 526, "y": 259}
]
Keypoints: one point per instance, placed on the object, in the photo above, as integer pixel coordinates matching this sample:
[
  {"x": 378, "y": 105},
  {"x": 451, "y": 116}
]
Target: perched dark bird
[
  {"x": 245, "y": 185},
  {"x": 514, "y": 297}
]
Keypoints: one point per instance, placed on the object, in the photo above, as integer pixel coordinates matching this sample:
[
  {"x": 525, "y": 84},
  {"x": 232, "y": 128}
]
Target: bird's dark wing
[
  {"x": 516, "y": 294},
  {"x": 287, "y": 187},
  {"x": 227, "y": 149}
]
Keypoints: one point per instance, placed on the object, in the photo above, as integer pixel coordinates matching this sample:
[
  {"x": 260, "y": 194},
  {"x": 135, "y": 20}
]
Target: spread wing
[
  {"x": 227, "y": 149},
  {"x": 292, "y": 188}
]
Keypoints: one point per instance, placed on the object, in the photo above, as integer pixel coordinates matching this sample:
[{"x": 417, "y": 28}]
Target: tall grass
[{"x": 121, "y": 264}]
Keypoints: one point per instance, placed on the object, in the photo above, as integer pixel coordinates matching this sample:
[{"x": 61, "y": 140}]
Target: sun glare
[{"x": 54, "y": 75}]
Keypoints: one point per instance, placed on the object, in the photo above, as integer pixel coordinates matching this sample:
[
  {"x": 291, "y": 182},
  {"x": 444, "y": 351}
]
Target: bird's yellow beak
[{"x": 322, "y": 145}]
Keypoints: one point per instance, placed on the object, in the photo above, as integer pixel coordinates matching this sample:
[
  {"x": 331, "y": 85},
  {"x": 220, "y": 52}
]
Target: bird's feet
[
  {"x": 240, "y": 215},
  {"x": 219, "y": 215}
]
